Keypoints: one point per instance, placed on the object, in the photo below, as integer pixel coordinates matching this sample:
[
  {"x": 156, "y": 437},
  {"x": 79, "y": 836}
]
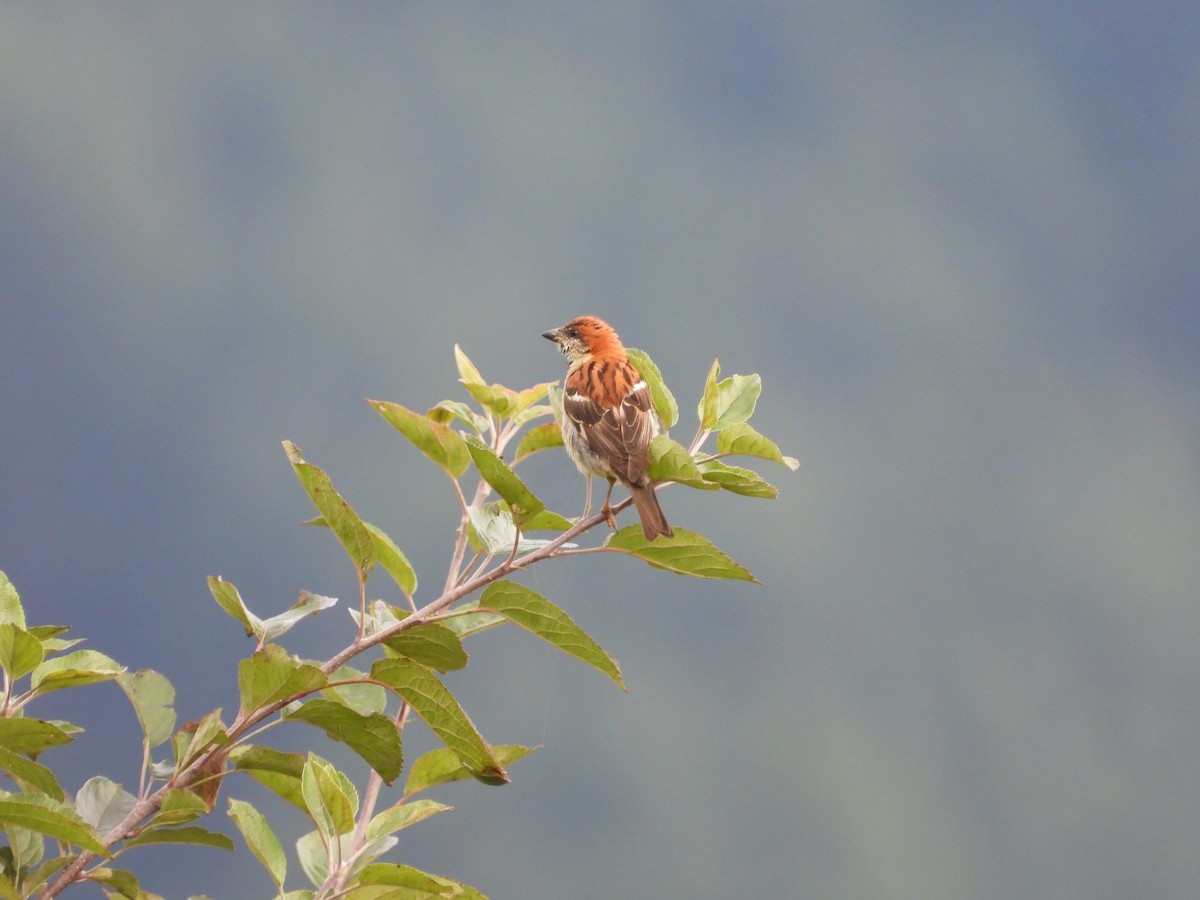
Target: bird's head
[{"x": 585, "y": 337}]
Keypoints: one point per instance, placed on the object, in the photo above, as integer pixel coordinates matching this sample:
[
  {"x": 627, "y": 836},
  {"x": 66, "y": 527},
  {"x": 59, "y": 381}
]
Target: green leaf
[
  {"x": 441, "y": 766},
  {"x": 495, "y": 398},
  {"x": 467, "y": 373},
  {"x": 373, "y": 737},
  {"x": 362, "y": 697},
  {"x": 504, "y": 480},
  {"x": 230, "y": 600},
  {"x": 492, "y": 530},
  {"x": 191, "y": 834},
  {"x": 434, "y": 439},
  {"x": 555, "y": 396},
  {"x": 10, "y": 603},
  {"x": 542, "y": 437},
  {"x": 516, "y": 405},
  {"x": 271, "y": 675},
  {"x": 45, "y": 872},
  {"x": 464, "y": 623},
  {"x": 49, "y": 817},
  {"x": 8, "y": 890},
  {"x": 664, "y": 402},
  {"x": 336, "y": 512},
  {"x": 687, "y": 553},
  {"x": 27, "y": 849},
  {"x": 329, "y": 797},
  {"x": 741, "y": 439},
  {"x": 708, "y": 403},
  {"x": 45, "y": 633},
  {"x": 20, "y": 651},
  {"x": 379, "y": 617},
  {"x": 74, "y": 669},
  {"x": 260, "y": 839},
  {"x": 738, "y": 396},
  {"x": 278, "y": 771},
  {"x": 728, "y": 402},
  {"x": 103, "y": 803},
  {"x": 151, "y": 695},
  {"x": 413, "y": 884},
  {"x": 314, "y": 851},
  {"x": 669, "y": 461},
  {"x": 264, "y": 630},
  {"x": 402, "y": 815},
  {"x": 421, "y": 689},
  {"x": 738, "y": 480},
  {"x": 393, "y": 560},
  {"x": 431, "y": 645},
  {"x": 118, "y": 883},
  {"x": 178, "y": 808},
  {"x": 30, "y": 775},
  {"x": 448, "y": 410},
  {"x": 547, "y": 521},
  {"x": 31, "y": 736},
  {"x": 194, "y": 738},
  {"x": 535, "y": 411},
  {"x": 540, "y": 617},
  {"x": 526, "y": 398},
  {"x": 308, "y": 604}
]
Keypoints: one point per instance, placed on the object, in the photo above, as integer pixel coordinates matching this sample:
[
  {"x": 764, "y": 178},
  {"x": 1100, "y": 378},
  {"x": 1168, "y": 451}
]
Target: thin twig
[
  {"x": 516, "y": 542},
  {"x": 701, "y": 436},
  {"x": 478, "y": 560},
  {"x": 460, "y": 542},
  {"x": 579, "y": 551}
]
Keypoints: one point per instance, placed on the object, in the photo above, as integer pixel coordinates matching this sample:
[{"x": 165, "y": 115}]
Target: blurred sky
[{"x": 958, "y": 241}]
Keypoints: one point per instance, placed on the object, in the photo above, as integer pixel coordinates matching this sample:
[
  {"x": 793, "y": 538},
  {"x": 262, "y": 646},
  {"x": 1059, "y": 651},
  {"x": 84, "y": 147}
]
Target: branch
[
  {"x": 247, "y": 720},
  {"x": 460, "y": 541},
  {"x": 337, "y": 880},
  {"x": 464, "y": 577}
]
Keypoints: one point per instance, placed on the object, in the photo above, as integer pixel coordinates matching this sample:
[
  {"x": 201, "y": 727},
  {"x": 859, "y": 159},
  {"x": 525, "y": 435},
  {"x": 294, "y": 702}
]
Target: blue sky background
[{"x": 958, "y": 241}]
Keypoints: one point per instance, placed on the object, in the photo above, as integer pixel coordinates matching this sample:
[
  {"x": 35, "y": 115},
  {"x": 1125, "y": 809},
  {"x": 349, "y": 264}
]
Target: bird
[{"x": 608, "y": 420}]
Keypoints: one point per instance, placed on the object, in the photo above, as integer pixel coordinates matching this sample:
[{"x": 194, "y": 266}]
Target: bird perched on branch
[{"x": 608, "y": 420}]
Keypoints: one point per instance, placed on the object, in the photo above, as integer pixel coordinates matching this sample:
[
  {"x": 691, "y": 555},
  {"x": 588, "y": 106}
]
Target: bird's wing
[
  {"x": 618, "y": 434},
  {"x": 580, "y": 408},
  {"x": 638, "y": 428}
]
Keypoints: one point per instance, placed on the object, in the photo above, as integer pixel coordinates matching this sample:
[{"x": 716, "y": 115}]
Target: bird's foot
[{"x": 609, "y": 517}]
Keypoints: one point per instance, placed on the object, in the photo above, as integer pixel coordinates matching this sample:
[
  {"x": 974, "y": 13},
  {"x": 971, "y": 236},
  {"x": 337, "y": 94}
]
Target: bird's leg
[
  {"x": 587, "y": 497},
  {"x": 607, "y": 507}
]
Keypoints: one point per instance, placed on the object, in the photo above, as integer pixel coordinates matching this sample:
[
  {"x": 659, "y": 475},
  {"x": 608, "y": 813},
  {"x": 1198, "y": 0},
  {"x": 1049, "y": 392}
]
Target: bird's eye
[{"x": 572, "y": 332}]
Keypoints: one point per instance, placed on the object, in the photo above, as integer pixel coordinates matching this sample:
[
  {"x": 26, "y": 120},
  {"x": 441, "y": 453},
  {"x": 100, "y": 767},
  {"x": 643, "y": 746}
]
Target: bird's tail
[{"x": 654, "y": 523}]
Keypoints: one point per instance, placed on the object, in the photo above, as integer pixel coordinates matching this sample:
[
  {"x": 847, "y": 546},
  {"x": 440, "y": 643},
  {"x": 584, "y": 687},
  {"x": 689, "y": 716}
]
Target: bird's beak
[{"x": 552, "y": 335}]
